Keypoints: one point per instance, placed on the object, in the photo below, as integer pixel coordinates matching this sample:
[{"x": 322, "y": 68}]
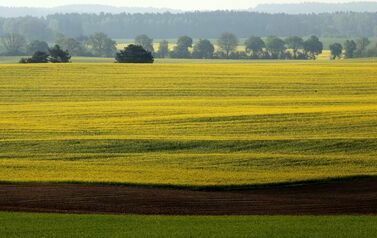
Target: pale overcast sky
[{"x": 177, "y": 4}]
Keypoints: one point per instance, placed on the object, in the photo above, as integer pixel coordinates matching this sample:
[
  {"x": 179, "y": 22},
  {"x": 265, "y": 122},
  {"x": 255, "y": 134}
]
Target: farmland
[
  {"x": 50, "y": 225},
  {"x": 188, "y": 124}
]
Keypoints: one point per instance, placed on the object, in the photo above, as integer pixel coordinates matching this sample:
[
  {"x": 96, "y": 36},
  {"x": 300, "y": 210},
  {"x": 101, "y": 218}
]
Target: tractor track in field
[{"x": 352, "y": 197}]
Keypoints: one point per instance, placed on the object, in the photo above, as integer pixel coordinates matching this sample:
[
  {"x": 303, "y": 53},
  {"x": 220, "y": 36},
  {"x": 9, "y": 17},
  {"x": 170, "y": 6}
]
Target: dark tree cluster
[
  {"x": 53, "y": 55},
  {"x": 38, "y": 57},
  {"x": 134, "y": 54}
]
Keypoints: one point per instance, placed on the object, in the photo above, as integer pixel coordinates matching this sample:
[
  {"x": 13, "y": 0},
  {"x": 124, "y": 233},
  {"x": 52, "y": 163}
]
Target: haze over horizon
[{"x": 173, "y": 4}]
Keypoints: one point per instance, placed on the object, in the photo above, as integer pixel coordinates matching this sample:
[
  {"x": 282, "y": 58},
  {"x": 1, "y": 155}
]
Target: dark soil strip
[{"x": 357, "y": 196}]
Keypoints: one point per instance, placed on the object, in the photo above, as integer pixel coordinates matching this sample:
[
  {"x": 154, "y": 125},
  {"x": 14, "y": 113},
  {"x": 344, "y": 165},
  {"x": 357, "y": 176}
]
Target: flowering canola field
[{"x": 188, "y": 124}]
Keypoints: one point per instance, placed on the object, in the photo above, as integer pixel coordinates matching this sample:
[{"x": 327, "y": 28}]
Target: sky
[{"x": 175, "y": 4}]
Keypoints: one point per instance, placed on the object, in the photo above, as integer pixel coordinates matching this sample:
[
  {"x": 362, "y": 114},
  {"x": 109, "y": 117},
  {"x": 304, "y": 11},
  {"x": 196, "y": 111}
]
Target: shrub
[
  {"x": 38, "y": 57},
  {"x": 57, "y": 55},
  {"x": 134, "y": 54},
  {"x": 25, "y": 60}
]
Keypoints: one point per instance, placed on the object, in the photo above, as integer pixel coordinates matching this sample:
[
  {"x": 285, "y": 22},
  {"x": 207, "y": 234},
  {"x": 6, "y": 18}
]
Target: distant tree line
[
  {"x": 196, "y": 24},
  {"x": 227, "y": 46}
]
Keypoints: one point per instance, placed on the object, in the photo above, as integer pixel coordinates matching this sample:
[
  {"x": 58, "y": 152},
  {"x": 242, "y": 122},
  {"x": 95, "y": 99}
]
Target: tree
[
  {"x": 349, "y": 48},
  {"x": 372, "y": 52},
  {"x": 163, "y": 49},
  {"x": 57, "y": 55},
  {"x": 227, "y": 43},
  {"x": 362, "y": 43},
  {"x": 134, "y": 54},
  {"x": 336, "y": 50},
  {"x": 313, "y": 47},
  {"x": 82, "y": 39},
  {"x": 32, "y": 28},
  {"x": 73, "y": 46},
  {"x": 13, "y": 44},
  {"x": 101, "y": 45},
  {"x": 24, "y": 61},
  {"x": 275, "y": 46},
  {"x": 185, "y": 42},
  {"x": 38, "y": 57},
  {"x": 35, "y": 46},
  {"x": 361, "y": 47},
  {"x": 145, "y": 42},
  {"x": 255, "y": 45},
  {"x": 181, "y": 50},
  {"x": 204, "y": 49},
  {"x": 295, "y": 43}
]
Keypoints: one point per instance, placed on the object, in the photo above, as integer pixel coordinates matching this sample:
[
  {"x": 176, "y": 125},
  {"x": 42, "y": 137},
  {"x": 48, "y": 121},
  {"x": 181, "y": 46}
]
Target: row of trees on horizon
[
  {"x": 353, "y": 49},
  {"x": 227, "y": 46}
]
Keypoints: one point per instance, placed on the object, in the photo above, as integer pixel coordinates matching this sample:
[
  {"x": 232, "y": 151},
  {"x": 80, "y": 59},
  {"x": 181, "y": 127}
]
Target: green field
[
  {"x": 50, "y": 225},
  {"x": 188, "y": 124}
]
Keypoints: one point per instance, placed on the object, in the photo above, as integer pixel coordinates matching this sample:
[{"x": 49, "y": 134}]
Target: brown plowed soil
[{"x": 358, "y": 196}]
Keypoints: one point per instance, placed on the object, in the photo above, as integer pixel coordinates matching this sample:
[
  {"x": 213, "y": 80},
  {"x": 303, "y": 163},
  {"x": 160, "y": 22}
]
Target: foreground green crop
[
  {"x": 50, "y": 225},
  {"x": 188, "y": 124}
]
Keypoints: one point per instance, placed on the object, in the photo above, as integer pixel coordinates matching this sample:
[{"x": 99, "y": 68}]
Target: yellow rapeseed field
[{"x": 188, "y": 124}]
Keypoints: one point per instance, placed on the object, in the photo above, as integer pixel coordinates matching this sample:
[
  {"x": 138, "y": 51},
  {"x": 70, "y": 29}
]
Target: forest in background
[{"x": 206, "y": 25}]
